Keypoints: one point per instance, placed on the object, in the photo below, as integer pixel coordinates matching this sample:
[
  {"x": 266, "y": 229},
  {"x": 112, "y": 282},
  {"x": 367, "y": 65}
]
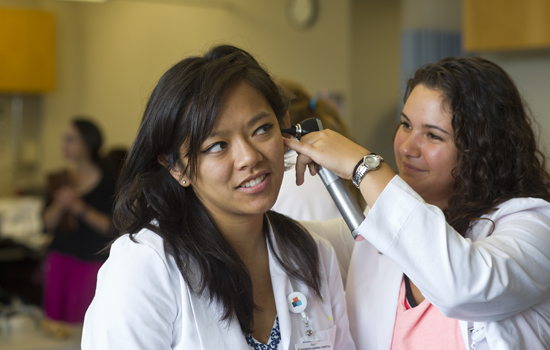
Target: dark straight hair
[
  {"x": 498, "y": 158},
  {"x": 91, "y": 135},
  {"x": 182, "y": 110}
]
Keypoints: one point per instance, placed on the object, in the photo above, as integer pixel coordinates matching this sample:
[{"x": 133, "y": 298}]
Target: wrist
[
  {"x": 84, "y": 209},
  {"x": 368, "y": 163}
]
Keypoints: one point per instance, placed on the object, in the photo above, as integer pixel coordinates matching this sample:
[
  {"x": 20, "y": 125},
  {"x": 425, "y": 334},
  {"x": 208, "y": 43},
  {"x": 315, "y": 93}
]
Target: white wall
[
  {"x": 531, "y": 72},
  {"x": 375, "y": 66},
  {"x": 129, "y": 44},
  {"x": 110, "y": 55},
  {"x": 431, "y": 14}
]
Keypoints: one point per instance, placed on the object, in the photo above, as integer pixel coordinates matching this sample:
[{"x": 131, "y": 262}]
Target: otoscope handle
[
  {"x": 340, "y": 193},
  {"x": 346, "y": 204}
]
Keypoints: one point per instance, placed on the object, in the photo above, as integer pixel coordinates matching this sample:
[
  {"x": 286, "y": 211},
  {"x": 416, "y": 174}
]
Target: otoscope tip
[{"x": 291, "y": 131}]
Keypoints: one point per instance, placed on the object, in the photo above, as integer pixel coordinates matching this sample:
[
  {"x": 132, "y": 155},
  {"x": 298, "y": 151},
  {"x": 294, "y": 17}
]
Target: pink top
[{"x": 424, "y": 327}]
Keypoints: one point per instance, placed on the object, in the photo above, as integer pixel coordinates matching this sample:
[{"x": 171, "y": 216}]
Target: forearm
[
  {"x": 374, "y": 182},
  {"x": 52, "y": 216},
  {"x": 96, "y": 219},
  {"x": 486, "y": 280}
]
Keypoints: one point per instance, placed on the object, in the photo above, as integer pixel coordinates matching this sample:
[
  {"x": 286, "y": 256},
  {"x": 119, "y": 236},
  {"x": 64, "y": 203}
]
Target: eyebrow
[
  {"x": 251, "y": 122},
  {"x": 427, "y": 125}
]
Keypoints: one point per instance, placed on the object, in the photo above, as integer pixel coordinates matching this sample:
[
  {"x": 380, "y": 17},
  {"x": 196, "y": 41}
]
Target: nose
[
  {"x": 409, "y": 145},
  {"x": 246, "y": 155}
]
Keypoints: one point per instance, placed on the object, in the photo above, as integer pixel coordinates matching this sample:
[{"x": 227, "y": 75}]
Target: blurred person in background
[
  {"x": 78, "y": 213},
  {"x": 113, "y": 161},
  {"x": 311, "y": 201}
]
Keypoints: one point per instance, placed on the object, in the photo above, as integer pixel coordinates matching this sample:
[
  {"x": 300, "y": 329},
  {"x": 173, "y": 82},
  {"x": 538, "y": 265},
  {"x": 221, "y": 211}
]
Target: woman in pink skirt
[{"x": 79, "y": 215}]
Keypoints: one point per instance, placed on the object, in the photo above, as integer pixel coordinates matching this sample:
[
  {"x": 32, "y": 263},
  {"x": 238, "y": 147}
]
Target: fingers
[
  {"x": 66, "y": 197},
  {"x": 328, "y": 149},
  {"x": 300, "y": 147},
  {"x": 302, "y": 161},
  {"x": 313, "y": 168}
]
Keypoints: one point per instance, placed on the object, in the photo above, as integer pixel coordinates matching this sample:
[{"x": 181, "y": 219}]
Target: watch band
[
  {"x": 362, "y": 168},
  {"x": 359, "y": 163}
]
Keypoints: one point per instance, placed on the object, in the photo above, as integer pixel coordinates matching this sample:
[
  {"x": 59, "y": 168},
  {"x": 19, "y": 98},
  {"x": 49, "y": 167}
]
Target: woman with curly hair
[{"x": 457, "y": 246}]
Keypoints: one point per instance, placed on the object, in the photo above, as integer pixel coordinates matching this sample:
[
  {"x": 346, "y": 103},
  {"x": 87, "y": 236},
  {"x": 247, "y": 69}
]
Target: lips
[
  {"x": 407, "y": 166},
  {"x": 253, "y": 182}
]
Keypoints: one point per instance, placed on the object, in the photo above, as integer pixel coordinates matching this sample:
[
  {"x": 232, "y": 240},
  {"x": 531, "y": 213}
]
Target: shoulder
[
  {"x": 139, "y": 266},
  {"x": 145, "y": 237},
  {"x": 323, "y": 244},
  {"x": 518, "y": 218},
  {"x": 524, "y": 206},
  {"x": 522, "y": 209},
  {"x": 327, "y": 254},
  {"x": 138, "y": 287},
  {"x": 143, "y": 252}
]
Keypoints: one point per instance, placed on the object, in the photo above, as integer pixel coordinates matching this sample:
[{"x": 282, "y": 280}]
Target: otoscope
[{"x": 340, "y": 193}]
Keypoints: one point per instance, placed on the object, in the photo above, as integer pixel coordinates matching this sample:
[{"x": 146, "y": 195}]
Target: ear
[
  {"x": 163, "y": 160},
  {"x": 285, "y": 122},
  {"x": 176, "y": 172}
]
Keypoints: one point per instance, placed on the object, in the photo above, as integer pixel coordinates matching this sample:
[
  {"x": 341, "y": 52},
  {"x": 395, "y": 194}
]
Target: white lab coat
[
  {"x": 142, "y": 302},
  {"x": 496, "y": 283},
  {"x": 311, "y": 201}
]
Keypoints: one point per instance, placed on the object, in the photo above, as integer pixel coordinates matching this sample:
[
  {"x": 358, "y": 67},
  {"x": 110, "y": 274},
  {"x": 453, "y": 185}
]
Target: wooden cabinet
[
  {"x": 491, "y": 25},
  {"x": 27, "y": 51}
]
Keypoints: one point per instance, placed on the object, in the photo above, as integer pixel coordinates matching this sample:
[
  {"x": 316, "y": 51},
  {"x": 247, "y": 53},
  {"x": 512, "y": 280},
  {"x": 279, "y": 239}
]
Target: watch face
[
  {"x": 302, "y": 13},
  {"x": 372, "y": 161}
]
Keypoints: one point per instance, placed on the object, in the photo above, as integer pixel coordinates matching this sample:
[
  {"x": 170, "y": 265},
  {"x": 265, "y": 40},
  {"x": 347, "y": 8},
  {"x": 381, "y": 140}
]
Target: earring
[{"x": 183, "y": 182}]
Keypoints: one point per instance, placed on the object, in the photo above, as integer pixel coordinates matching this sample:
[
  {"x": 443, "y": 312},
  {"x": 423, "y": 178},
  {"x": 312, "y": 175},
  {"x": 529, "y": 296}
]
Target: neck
[
  {"x": 440, "y": 204},
  {"x": 85, "y": 166},
  {"x": 246, "y": 236}
]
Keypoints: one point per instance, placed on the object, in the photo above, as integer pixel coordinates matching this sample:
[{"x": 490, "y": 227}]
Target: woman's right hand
[
  {"x": 340, "y": 155},
  {"x": 328, "y": 149},
  {"x": 65, "y": 197}
]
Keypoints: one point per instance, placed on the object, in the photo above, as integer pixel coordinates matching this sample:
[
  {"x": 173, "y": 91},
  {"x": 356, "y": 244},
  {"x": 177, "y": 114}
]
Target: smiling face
[
  {"x": 240, "y": 164},
  {"x": 424, "y": 147}
]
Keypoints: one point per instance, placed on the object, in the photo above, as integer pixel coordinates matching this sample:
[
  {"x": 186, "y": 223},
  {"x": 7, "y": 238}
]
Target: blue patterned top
[{"x": 274, "y": 339}]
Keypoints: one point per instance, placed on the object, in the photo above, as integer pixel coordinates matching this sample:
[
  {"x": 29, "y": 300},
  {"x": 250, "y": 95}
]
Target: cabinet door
[
  {"x": 27, "y": 51},
  {"x": 491, "y": 25}
]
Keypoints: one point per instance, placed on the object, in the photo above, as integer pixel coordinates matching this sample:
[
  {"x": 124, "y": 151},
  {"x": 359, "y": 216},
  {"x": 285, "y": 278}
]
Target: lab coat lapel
[
  {"x": 212, "y": 332},
  {"x": 372, "y": 276},
  {"x": 281, "y": 288},
  {"x": 389, "y": 281}
]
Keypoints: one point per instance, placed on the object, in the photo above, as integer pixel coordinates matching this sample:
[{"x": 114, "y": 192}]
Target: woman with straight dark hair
[
  {"x": 457, "y": 249},
  {"x": 204, "y": 263}
]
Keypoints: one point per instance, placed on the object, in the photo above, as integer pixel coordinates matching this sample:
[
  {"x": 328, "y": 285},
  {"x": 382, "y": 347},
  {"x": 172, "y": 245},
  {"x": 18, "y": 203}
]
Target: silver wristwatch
[{"x": 369, "y": 162}]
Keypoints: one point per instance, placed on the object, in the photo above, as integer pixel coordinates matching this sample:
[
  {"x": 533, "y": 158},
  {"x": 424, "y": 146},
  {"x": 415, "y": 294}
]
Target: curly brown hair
[{"x": 498, "y": 158}]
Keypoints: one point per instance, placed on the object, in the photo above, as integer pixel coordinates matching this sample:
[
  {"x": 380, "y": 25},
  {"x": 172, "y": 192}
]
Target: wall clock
[{"x": 302, "y": 13}]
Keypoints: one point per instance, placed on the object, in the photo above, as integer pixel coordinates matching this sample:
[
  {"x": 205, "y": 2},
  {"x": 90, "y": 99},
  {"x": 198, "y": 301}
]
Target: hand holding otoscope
[{"x": 340, "y": 193}]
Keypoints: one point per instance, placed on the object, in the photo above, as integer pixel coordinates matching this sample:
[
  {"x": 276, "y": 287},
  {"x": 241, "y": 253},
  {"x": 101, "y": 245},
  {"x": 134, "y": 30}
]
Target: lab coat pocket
[{"x": 327, "y": 334}]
